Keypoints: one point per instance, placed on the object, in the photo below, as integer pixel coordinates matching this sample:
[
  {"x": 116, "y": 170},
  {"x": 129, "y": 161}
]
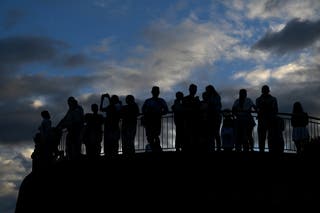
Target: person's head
[
  {"x": 179, "y": 95},
  {"x": 265, "y": 89},
  {"x": 242, "y": 93},
  {"x": 72, "y": 102},
  {"x": 210, "y": 89},
  {"x": 94, "y": 108},
  {"x": 297, "y": 107},
  {"x": 45, "y": 114},
  {"x": 130, "y": 99},
  {"x": 193, "y": 89},
  {"x": 114, "y": 99},
  {"x": 155, "y": 91},
  {"x": 205, "y": 96}
]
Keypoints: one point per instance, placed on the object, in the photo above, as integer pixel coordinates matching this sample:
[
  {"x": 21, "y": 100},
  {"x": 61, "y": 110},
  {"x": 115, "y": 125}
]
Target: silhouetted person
[
  {"x": 153, "y": 108},
  {"x": 51, "y": 136},
  {"x": 299, "y": 122},
  {"x": 191, "y": 105},
  {"x": 41, "y": 155},
  {"x": 278, "y": 145},
  {"x": 129, "y": 114},
  {"x": 215, "y": 118},
  {"x": 242, "y": 108},
  {"x": 111, "y": 125},
  {"x": 45, "y": 127},
  {"x": 204, "y": 124},
  {"x": 228, "y": 130},
  {"x": 178, "y": 116},
  {"x": 93, "y": 132},
  {"x": 73, "y": 121},
  {"x": 267, "y": 108}
]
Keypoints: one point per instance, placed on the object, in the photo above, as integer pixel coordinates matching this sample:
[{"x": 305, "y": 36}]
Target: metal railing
[{"x": 167, "y": 136}]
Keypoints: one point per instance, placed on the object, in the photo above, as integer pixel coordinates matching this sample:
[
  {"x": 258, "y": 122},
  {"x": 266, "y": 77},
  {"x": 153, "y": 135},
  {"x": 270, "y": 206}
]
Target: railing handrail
[{"x": 168, "y": 132}]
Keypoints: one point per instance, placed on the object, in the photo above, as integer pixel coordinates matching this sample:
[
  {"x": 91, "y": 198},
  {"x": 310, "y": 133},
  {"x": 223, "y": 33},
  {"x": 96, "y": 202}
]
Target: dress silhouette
[{"x": 299, "y": 122}]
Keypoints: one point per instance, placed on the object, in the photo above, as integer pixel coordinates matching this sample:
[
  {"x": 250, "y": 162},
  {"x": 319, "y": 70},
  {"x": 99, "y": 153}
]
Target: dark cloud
[
  {"x": 19, "y": 87},
  {"x": 18, "y": 50},
  {"x": 12, "y": 18},
  {"x": 19, "y": 118},
  {"x": 28, "y": 48},
  {"x": 296, "y": 35},
  {"x": 21, "y": 50},
  {"x": 18, "y": 91}
]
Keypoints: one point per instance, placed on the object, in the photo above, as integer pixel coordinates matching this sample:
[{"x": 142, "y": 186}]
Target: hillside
[{"x": 170, "y": 180}]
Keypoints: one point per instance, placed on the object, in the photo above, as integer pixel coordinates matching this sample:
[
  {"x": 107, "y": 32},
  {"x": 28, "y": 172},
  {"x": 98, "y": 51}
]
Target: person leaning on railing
[
  {"x": 299, "y": 122},
  {"x": 153, "y": 109},
  {"x": 267, "y": 109}
]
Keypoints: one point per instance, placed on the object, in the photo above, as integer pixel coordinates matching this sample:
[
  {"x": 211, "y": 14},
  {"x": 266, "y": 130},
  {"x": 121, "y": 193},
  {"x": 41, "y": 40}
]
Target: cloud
[
  {"x": 178, "y": 49},
  {"x": 255, "y": 77},
  {"x": 170, "y": 55},
  {"x": 287, "y": 9},
  {"x": 15, "y": 165},
  {"x": 296, "y": 35},
  {"x": 289, "y": 83},
  {"x": 19, "y": 93},
  {"x": 16, "y": 51}
]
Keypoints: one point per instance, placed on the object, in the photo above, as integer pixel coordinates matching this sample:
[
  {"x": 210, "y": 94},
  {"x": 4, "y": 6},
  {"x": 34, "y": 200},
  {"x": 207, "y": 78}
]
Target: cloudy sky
[{"x": 53, "y": 49}]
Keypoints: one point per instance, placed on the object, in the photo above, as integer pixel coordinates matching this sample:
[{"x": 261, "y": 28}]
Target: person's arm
[
  {"x": 103, "y": 96},
  {"x": 234, "y": 108},
  {"x": 63, "y": 122},
  {"x": 253, "y": 107},
  {"x": 165, "y": 108}
]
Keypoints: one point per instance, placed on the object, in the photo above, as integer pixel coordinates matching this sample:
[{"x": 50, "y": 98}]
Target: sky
[{"x": 53, "y": 49}]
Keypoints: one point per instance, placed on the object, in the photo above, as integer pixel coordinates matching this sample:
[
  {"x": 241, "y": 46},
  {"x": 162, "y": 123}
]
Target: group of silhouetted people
[{"x": 201, "y": 125}]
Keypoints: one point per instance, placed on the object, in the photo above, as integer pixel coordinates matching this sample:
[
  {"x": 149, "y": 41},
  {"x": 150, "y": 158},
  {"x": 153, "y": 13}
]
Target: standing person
[
  {"x": 129, "y": 114},
  {"x": 73, "y": 121},
  {"x": 45, "y": 126},
  {"x": 42, "y": 155},
  {"x": 215, "y": 118},
  {"x": 111, "y": 125},
  {"x": 299, "y": 122},
  {"x": 242, "y": 108},
  {"x": 228, "y": 130},
  {"x": 278, "y": 147},
  {"x": 177, "y": 109},
  {"x": 191, "y": 105},
  {"x": 51, "y": 136},
  {"x": 93, "y": 132},
  {"x": 153, "y": 108},
  {"x": 267, "y": 109},
  {"x": 204, "y": 124}
]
